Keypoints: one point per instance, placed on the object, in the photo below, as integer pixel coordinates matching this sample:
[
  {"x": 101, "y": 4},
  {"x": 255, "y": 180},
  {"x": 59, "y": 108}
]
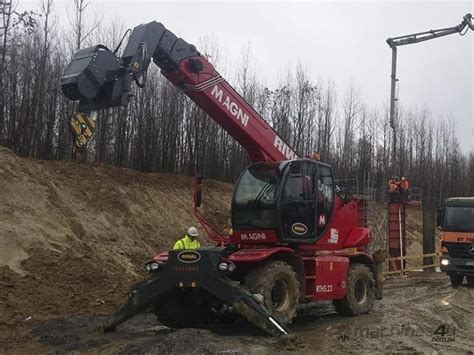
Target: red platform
[{"x": 396, "y": 233}]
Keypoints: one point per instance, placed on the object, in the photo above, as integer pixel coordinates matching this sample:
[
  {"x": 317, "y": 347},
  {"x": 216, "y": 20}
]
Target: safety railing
[
  {"x": 411, "y": 268},
  {"x": 415, "y": 196},
  {"x": 348, "y": 184}
]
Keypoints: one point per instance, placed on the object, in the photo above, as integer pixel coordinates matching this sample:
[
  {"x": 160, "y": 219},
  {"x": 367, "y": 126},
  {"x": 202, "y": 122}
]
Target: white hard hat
[{"x": 192, "y": 231}]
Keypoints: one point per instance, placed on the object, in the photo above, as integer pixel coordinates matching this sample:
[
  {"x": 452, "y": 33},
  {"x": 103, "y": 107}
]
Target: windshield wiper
[{"x": 266, "y": 189}]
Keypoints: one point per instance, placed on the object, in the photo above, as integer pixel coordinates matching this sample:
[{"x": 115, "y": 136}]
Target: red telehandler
[{"x": 294, "y": 239}]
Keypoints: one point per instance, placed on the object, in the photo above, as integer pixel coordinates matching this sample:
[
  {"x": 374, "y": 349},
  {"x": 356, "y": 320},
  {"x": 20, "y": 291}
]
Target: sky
[{"x": 342, "y": 40}]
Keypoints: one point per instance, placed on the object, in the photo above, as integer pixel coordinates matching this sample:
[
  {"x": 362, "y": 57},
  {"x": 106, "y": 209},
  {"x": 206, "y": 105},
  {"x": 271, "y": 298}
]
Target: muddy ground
[
  {"x": 420, "y": 313},
  {"x": 73, "y": 239}
]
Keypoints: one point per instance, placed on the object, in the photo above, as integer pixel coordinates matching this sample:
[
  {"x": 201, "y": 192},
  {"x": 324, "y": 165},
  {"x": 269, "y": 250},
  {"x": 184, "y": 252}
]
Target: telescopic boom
[{"x": 98, "y": 78}]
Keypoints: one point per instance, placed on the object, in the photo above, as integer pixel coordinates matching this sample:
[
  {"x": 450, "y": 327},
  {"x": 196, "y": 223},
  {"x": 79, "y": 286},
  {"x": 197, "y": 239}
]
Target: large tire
[
  {"x": 456, "y": 280},
  {"x": 176, "y": 309},
  {"x": 278, "y": 284},
  {"x": 360, "y": 295},
  {"x": 470, "y": 280}
]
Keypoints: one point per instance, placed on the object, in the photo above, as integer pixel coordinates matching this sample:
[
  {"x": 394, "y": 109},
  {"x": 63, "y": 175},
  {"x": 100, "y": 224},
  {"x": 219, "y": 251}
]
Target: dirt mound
[
  {"x": 83, "y": 207},
  {"x": 73, "y": 237}
]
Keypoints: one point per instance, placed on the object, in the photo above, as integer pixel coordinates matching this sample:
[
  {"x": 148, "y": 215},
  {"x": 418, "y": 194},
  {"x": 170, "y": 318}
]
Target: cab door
[{"x": 297, "y": 207}]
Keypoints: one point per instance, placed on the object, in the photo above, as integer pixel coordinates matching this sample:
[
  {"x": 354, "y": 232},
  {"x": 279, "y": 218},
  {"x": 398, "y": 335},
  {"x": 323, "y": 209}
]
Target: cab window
[
  {"x": 325, "y": 198},
  {"x": 298, "y": 207}
]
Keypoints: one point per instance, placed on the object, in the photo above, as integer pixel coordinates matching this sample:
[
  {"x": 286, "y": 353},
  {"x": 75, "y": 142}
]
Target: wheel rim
[
  {"x": 360, "y": 291},
  {"x": 279, "y": 295}
]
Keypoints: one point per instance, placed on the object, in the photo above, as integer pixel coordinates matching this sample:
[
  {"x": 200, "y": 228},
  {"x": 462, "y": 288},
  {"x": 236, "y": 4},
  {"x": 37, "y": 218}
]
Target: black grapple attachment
[
  {"x": 197, "y": 271},
  {"x": 98, "y": 78}
]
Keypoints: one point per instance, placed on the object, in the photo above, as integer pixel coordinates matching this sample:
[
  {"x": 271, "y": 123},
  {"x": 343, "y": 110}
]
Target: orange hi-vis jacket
[
  {"x": 392, "y": 186},
  {"x": 405, "y": 185}
]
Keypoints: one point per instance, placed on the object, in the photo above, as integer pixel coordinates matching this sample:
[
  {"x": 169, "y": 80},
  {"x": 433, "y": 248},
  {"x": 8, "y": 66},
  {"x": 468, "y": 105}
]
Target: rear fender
[
  {"x": 358, "y": 237},
  {"x": 361, "y": 258}
]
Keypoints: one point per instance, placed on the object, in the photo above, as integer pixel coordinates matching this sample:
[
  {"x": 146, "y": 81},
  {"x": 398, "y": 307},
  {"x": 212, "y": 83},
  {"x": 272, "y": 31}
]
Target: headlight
[
  {"x": 227, "y": 266},
  {"x": 152, "y": 266},
  {"x": 445, "y": 262},
  {"x": 223, "y": 266}
]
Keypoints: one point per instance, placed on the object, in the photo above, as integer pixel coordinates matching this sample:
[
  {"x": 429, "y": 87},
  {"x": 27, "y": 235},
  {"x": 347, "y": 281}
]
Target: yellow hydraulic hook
[{"x": 82, "y": 127}]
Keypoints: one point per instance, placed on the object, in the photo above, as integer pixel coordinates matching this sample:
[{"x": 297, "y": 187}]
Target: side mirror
[
  {"x": 198, "y": 197},
  {"x": 439, "y": 217}
]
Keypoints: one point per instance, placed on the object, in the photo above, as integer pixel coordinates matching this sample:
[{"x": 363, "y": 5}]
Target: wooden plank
[
  {"x": 427, "y": 266},
  {"x": 408, "y": 270},
  {"x": 392, "y": 272},
  {"x": 396, "y": 258}
]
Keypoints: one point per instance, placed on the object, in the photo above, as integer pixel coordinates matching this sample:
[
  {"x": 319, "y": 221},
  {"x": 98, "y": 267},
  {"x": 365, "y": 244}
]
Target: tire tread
[
  {"x": 345, "y": 306},
  {"x": 257, "y": 278}
]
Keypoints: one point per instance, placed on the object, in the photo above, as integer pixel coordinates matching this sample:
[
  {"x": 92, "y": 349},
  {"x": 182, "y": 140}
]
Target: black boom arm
[{"x": 98, "y": 78}]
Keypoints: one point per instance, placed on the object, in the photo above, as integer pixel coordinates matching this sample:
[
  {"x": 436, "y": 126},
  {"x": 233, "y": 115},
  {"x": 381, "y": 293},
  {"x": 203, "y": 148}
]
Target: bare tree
[
  {"x": 7, "y": 9},
  {"x": 351, "y": 108},
  {"x": 326, "y": 119},
  {"x": 81, "y": 28},
  {"x": 163, "y": 130}
]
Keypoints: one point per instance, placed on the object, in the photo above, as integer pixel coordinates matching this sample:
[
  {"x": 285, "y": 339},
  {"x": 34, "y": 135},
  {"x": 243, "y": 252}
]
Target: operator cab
[{"x": 293, "y": 198}]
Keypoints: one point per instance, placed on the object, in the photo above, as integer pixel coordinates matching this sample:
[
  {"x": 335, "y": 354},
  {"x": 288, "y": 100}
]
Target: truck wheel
[
  {"x": 175, "y": 309},
  {"x": 360, "y": 292},
  {"x": 456, "y": 280},
  {"x": 278, "y": 284},
  {"x": 470, "y": 279}
]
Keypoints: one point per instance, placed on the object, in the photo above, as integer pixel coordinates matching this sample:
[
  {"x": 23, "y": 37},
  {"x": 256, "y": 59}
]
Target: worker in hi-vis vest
[{"x": 189, "y": 241}]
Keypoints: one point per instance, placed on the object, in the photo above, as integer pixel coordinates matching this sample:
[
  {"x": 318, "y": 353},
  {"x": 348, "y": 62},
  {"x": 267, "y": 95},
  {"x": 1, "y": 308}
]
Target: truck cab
[{"x": 456, "y": 222}]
